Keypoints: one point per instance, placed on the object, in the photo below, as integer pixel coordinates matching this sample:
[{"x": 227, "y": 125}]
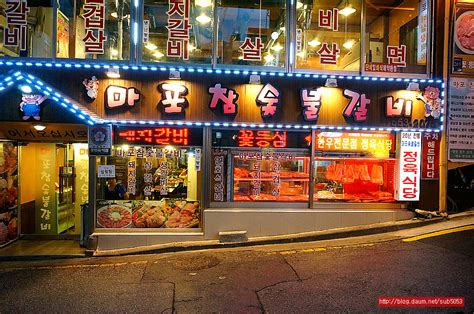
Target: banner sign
[
  {"x": 407, "y": 186},
  {"x": 430, "y": 153}
]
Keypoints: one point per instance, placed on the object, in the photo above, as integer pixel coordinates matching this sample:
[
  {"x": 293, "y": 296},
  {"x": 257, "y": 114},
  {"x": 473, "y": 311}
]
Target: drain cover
[{"x": 196, "y": 262}]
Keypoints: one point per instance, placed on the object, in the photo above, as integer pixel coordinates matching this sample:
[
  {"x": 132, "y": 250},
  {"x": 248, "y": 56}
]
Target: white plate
[{"x": 456, "y": 40}]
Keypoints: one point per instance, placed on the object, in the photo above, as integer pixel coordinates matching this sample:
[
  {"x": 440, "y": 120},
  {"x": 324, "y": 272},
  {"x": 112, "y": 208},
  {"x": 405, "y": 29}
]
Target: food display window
[
  {"x": 151, "y": 186},
  {"x": 260, "y": 166},
  {"x": 354, "y": 167}
]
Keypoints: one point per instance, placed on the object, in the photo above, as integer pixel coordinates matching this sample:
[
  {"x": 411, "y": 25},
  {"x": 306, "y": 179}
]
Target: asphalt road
[{"x": 299, "y": 278}]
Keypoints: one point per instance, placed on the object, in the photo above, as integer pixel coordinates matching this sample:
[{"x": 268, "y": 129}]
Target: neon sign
[
  {"x": 379, "y": 144},
  {"x": 155, "y": 136},
  {"x": 249, "y": 138}
]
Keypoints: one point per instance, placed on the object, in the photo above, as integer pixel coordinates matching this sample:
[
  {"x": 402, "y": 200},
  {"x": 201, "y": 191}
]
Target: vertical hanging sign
[
  {"x": 45, "y": 201},
  {"x": 178, "y": 29},
  {"x": 430, "y": 153},
  {"x": 15, "y": 31},
  {"x": 218, "y": 178},
  {"x": 94, "y": 24},
  {"x": 407, "y": 186}
]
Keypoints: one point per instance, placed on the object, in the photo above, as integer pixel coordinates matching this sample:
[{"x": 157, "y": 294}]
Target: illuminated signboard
[
  {"x": 159, "y": 136},
  {"x": 407, "y": 187},
  {"x": 259, "y": 139},
  {"x": 378, "y": 144}
]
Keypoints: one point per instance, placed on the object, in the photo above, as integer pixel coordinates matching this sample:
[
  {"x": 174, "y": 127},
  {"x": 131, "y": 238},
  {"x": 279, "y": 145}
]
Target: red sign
[
  {"x": 249, "y": 138},
  {"x": 379, "y": 144},
  {"x": 430, "y": 151},
  {"x": 408, "y": 166},
  {"x": 156, "y": 136}
]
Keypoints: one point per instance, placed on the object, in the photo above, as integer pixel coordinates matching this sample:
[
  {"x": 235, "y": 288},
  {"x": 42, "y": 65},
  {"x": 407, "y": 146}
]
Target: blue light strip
[{"x": 43, "y": 88}]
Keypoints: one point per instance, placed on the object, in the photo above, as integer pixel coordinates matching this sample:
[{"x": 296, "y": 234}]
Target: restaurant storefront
[{"x": 276, "y": 119}]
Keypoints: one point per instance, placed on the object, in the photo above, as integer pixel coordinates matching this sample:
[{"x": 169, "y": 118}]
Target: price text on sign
[{"x": 408, "y": 167}]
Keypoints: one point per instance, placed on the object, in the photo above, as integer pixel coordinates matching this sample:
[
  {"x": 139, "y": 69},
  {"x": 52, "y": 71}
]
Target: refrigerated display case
[
  {"x": 267, "y": 179},
  {"x": 355, "y": 179}
]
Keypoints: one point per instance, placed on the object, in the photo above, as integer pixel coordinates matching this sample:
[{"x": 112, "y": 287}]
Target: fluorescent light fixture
[
  {"x": 113, "y": 73},
  {"x": 331, "y": 82},
  {"x": 203, "y": 3},
  {"x": 348, "y": 10},
  {"x": 349, "y": 44},
  {"x": 277, "y": 47},
  {"x": 158, "y": 54},
  {"x": 314, "y": 43},
  {"x": 25, "y": 89},
  {"x": 203, "y": 19},
  {"x": 39, "y": 127},
  {"x": 415, "y": 87},
  {"x": 269, "y": 58},
  {"x": 151, "y": 46}
]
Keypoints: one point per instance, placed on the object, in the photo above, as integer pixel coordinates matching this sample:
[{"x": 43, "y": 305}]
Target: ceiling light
[
  {"x": 254, "y": 79},
  {"x": 113, "y": 73},
  {"x": 277, "y": 47},
  {"x": 203, "y": 19},
  {"x": 314, "y": 43},
  {"x": 158, "y": 55},
  {"x": 114, "y": 14},
  {"x": 331, "y": 82},
  {"x": 203, "y": 3},
  {"x": 25, "y": 89},
  {"x": 39, "y": 127},
  {"x": 415, "y": 87},
  {"x": 348, "y": 10},
  {"x": 300, "y": 54},
  {"x": 274, "y": 35},
  {"x": 151, "y": 46},
  {"x": 348, "y": 44},
  {"x": 269, "y": 58},
  {"x": 114, "y": 52},
  {"x": 299, "y": 5}
]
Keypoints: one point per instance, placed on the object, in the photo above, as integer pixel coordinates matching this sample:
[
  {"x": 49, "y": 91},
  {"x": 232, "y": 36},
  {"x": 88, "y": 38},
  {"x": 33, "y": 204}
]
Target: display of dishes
[
  {"x": 464, "y": 32},
  {"x": 114, "y": 216}
]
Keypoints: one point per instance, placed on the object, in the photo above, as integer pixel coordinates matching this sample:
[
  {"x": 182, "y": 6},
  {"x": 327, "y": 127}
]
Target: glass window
[
  {"x": 251, "y": 32},
  {"x": 328, "y": 35},
  {"x": 97, "y": 29},
  {"x": 26, "y": 28},
  {"x": 396, "y": 36},
  {"x": 178, "y": 31},
  {"x": 151, "y": 187}
]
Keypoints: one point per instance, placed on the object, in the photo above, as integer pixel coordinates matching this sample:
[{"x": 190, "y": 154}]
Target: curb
[
  {"x": 291, "y": 238},
  {"x": 330, "y": 234}
]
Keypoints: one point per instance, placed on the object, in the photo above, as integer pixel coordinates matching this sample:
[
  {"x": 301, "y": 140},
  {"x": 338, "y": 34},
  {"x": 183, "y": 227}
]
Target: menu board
[
  {"x": 461, "y": 120},
  {"x": 463, "y": 39}
]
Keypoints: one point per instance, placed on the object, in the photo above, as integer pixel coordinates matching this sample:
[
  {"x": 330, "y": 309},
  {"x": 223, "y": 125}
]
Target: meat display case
[
  {"x": 354, "y": 179},
  {"x": 270, "y": 180}
]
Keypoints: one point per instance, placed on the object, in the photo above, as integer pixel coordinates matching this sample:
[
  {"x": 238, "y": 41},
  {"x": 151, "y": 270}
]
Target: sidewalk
[{"x": 63, "y": 249}]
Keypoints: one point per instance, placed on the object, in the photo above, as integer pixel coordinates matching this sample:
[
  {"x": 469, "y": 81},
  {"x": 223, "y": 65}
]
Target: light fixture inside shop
[
  {"x": 269, "y": 58},
  {"x": 114, "y": 52},
  {"x": 191, "y": 47},
  {"x": 113, "y": 73},
  {"x": 331, "y": 82},
  {"x": 300, "y": 54},
  {"x": 158, "y": 54},
  {"x": 348, "y": 44},
  {"x": 151, "y": 46},
  {"x": 25, "y": 89},
  {"x": 203, "y": 19},
  {"x": 299, "y": 5},
  {"x": 274, "y": 35},
  {"x": 39, "y": 127},
  {"x": 314, "y": 43},
  {"x": 203, "y": 3},
  {"x": 348, "y": 10},
  {"x": 414, "y": 87},
  {"x": 254, "y": 79},
  {"x": 277, "y": 47}
]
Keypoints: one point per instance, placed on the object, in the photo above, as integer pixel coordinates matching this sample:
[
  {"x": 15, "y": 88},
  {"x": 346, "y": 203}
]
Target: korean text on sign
[
  {"x": 178, "y": 27},
  {"x": 94, "y": 24},
  {"x": 15, "y": 32},
  {"x": 409, "y": 161}
]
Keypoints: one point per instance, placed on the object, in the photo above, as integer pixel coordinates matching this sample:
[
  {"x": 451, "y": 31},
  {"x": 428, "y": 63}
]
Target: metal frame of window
[{"x": 136, "y": 45}]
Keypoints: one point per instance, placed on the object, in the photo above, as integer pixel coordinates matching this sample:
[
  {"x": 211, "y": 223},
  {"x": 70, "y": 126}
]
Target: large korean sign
[
  {"x": 463, "y": 39},
  {"x": 407, "y": 186},
  {"x": 461, "y": 120},
  {"x": 46, "y": 220},
  {"x": 179, "y": 26}
]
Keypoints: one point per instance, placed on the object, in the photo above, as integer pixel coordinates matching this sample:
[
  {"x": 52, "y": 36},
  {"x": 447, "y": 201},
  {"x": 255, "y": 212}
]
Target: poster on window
[
  {"x": 463, "y": 39},
  {"x": 461, "y": 120},
  {"x": 8, "y": 192}
]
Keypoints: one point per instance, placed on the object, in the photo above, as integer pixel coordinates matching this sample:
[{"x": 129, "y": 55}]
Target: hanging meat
[
  {"x": 364, "y": 173},
  {"x": 330, "y": 173},
  {"x": 377, "y": 174},
  {"x": 356, "y": 171},
  {"x": 348, "y": 175},
  {"x": 339, "y": 173}
]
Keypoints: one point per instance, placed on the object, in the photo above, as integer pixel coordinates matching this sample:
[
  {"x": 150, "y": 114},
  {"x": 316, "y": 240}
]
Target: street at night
[{"x": 326, "y": 276}]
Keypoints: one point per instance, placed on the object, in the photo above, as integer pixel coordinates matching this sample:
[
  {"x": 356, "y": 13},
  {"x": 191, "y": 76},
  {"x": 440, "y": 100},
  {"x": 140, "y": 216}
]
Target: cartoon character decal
[
  {"x": 430, "y": 97},
  {"x": 30, "y": 105},
  {"x": 92, "y": 87}
]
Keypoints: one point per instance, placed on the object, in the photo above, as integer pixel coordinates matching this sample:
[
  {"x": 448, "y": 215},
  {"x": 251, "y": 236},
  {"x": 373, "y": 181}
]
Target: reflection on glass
[
  {"x": 396, "y": 36},
  {"x": 328, "y": 35},
  {"x": 251, "y": 33},
  {"x": 175, "y": 33},
  {"x": 26, "y": 29},
  {"x": 271, "y": 180},
  {"x": 93, "y": 30}
]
